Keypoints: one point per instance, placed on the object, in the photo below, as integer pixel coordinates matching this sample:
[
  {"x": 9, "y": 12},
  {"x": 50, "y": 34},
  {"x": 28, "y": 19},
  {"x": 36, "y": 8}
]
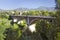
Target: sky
[{"x": 13, "y": 4}]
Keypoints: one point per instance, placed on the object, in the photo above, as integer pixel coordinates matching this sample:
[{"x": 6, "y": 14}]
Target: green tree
[
  {"x": 46, "y": 30},
  {"x": 3, "y": 26}
]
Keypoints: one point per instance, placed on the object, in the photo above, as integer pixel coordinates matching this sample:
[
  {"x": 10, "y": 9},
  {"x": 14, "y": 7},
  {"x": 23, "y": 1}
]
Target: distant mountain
[
  {"x": 46, "y": 8},
  {"x": 22, "y": 9},
  {"x": 39, "y": 8},
  {"x": 0, "y": 9}
]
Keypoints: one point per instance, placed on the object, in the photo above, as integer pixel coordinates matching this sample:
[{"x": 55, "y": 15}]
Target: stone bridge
[{"x": 30, "y": 19}]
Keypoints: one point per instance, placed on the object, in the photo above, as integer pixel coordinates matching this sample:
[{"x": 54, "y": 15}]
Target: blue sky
[{"x": 13, "y": 4}]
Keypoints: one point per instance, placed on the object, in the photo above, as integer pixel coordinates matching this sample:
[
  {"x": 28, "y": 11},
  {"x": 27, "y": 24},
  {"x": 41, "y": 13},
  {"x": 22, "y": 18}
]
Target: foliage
[
  {"x": 44, "y": 29},
  {"x": 4, "y": 24},
  {"x": 40, "y": 13}
]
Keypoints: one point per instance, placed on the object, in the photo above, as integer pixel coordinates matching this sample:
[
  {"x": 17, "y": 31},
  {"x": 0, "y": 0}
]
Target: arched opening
[{"x": 34, "y": 21}]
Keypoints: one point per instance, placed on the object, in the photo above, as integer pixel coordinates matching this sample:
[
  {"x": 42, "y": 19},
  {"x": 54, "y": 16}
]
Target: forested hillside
[{"x": 45, "y": 30}]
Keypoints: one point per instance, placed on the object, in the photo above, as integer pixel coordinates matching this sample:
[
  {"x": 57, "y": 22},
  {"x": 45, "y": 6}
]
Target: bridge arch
[
  {"x": 31, "y": 19},
  {"x": 34, "y": 20}
]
